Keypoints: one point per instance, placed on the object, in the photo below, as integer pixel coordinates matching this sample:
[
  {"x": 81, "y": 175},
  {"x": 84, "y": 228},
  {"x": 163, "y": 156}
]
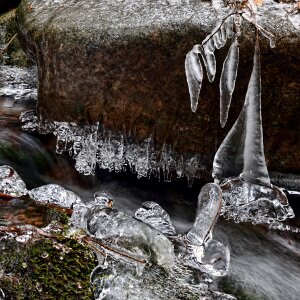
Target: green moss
[
  {"x": 58, "y": 216},
  {"x": 227, "y": 285},
  {"x": 47, "y": 269}
]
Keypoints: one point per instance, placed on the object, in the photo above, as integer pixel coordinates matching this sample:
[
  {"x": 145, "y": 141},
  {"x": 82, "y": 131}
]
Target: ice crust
[
  {"x": 11, "y": 183},
  {"x": 92, "y": 145},
  {"x": 55, "y": 194}
]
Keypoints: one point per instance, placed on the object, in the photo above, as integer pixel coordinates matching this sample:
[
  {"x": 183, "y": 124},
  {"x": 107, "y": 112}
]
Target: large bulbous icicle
[
  {"x": 227, "y": 81},
  {"x": 199, "y": 249},
  {"x": 242, "y": 151},
  {"x": 255, "y": 168},
  {"x": 208, "y": 210},
  {"x": 194, "y": 75}
]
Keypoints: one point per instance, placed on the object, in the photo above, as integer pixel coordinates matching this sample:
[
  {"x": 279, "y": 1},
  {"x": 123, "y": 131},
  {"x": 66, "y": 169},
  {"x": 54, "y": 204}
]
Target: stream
[{"x": 265, "y": 264}]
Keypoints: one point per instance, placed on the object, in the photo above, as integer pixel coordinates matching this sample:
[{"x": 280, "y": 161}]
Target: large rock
[{"x": 122, "y": 63}]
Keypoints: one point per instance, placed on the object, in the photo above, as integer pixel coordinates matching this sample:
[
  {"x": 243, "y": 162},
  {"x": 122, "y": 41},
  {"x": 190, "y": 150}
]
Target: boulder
[{"x": 122, "y": 63}]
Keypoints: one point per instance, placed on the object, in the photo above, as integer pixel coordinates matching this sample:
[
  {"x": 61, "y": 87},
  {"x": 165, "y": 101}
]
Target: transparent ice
[
  {"x": 11, "y": 183},
  {"x": 193, "y": 68},
  {"x": 125, "y": 234},
  {"x": 55, "y": 194},
  {"x": 152, "y": 214},
  {"x": 140, "y": 250},
  {"x": 227, "y": 81},
  {"x": 254, "y": 203},
  {"x": 194, "y": 75},
  {"x": 92, "y": 145},
  {"x": 242, "y": 150},
  {"x": 240, "y": 165}
]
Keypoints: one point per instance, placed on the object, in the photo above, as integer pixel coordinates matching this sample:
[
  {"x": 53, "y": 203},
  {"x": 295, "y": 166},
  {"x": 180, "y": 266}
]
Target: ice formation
[
  {"x": 19, "y": 83},
  {"x": 55, "y": 194},
  {"x": 11, "y": 183},
  {"x": 141, "y": 249},
  {"x": 123, "y": 233},
  {"x": 242, "y": 151},
  {"x": 227, "y": 27},
  {"x": 197, "y": 248},
  {"x": 93, "y": 145},
  {"x": 227, "y": 81},
  {"x": 152, "y": 214},
  {"x": 248, "y": 195},
  {"x": 258, "y": 204}
]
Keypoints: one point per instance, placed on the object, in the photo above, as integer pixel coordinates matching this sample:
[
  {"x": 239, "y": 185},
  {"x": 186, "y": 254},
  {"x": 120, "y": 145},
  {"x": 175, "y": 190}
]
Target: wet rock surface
[{"x": 122, "y": 64}]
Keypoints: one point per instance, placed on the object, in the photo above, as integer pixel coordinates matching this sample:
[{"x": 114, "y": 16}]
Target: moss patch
[{"x": 46, "y": 269}]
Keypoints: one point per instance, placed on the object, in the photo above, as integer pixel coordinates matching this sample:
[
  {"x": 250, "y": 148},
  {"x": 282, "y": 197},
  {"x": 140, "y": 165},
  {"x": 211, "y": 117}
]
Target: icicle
[
  {"x": 209, "y": 61},
  {"x": 208, "y": 209},
  {"x": 194, "y": 75},
  {"x": 227, "y": 81},
  {"x": 242, "y": 150},
  {"x": 255, "y": 169},
  {"x": 229, "y": 27}
]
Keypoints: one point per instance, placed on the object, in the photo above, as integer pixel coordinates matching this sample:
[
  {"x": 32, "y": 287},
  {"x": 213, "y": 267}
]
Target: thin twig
[
  {"x": 223, "y": 21},
  {"x": 4, "y": 50},
  {"x": 90, "y": 239}
]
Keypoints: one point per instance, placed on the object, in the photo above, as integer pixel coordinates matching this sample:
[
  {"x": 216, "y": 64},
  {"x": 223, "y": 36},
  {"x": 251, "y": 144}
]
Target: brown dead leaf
[{"x": 258, "y": 2}]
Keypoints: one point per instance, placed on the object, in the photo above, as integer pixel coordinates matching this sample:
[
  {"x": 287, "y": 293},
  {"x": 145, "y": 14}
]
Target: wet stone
[{"x": 121, "y": 63}]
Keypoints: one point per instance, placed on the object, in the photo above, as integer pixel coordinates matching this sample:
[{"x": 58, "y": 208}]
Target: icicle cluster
[
  {"x": 248, "y": 195},
  {"x": 229, "y": 28},
  {"x": 92, "y": 145}
]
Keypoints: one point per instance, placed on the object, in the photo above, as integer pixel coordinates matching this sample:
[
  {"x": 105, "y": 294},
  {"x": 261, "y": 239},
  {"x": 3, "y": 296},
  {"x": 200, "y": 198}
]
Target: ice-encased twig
[
  {"x": 194, "y": 75},
  {"x": 227, "y": 81},
  {"x": 264, "y": 32},
  {"x": 208, "y": 210},
  {"x": 242, "y": 150}
]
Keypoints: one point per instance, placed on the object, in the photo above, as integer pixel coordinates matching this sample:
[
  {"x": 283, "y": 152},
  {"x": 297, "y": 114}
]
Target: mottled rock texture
[{"x": 122, "y": 63}]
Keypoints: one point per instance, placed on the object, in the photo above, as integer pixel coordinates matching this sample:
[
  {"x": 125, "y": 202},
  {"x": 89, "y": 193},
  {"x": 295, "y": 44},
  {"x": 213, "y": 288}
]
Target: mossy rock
[
  {"x": 46, "y": 269},
  {"x": 12, "y": 55}
]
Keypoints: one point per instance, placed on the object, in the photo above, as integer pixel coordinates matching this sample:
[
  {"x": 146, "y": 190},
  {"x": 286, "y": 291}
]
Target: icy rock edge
[{"x": 92, "y": 145}]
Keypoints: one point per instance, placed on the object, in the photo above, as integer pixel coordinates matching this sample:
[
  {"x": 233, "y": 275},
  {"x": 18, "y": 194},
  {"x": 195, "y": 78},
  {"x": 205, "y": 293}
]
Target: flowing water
[{"x": 264, "y": 263}]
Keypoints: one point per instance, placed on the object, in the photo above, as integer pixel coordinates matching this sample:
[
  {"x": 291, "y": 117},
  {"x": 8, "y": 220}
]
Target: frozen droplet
[{"x": 194, "y": 76}]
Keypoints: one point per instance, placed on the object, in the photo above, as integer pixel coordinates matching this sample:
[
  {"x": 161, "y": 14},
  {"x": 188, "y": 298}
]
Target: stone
[{"x": 122, "y": 63}]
